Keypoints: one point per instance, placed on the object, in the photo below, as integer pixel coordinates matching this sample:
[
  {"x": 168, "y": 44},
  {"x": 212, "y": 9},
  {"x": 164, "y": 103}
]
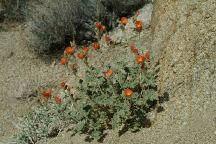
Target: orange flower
[
  {"x": 107, "y": 38},
  {"x": 128, "y": 92},
  {"x": 139, "y": 25},
  {"x": 124, "y": 20},
  {"x": 103, "y": 28},
  {"x": 140, "y": 59},
  {"x": 109, "y": 72},
  {"x": 63, "y": 61},
  {"x": 134, "y": 49},
  {"x": 69, "y": 50},
  {"x": 98, "y": 25},
  {"x": 62, "y": 84},
  {"x": 86, "y": 49},
  {"x": 147, "y": 55},
  {"x": 96, "y": 45},
  {"x": 47, "y": 93},
  {"x": 58, "y": 100},
  {"x": 81, "y": 55}
]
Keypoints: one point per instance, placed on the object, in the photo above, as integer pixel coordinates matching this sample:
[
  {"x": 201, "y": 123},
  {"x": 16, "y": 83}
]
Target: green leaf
[
  {"x": 80, "y": 126},
  {"x": 116, "y": 121},
  {"x": 96, "y": 134}
]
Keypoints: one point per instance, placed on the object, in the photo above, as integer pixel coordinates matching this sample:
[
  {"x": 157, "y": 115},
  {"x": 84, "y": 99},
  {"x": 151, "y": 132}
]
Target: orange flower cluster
[
  {"x": 96, "y": 45},
  {"x": 140, "y": 59},
  {"x": 69, "y": 50},
  {"x": 81, "y": 55},
  {"x": 100, "y": 27},
  {"x": 107, "y": 38},
  {"x": 58, "y": 99},
  {"x": 134, "y": 49},
  {"x": 147, "y": 55},
  {"x": 86, "y": 49},
  {"x": 48, "y": 94},
  {"x": 128, "y": 92},
  {"x": 138, "y": 25},
  {"x": 109, "y": 73},
  {"x": 64, "y": 61},
  {"x": 124, "y": 20}
]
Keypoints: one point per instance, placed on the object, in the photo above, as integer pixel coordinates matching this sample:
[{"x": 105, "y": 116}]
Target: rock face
[
  {"x": 52, "y": 23},
  {"x": 184, "y": 35}
]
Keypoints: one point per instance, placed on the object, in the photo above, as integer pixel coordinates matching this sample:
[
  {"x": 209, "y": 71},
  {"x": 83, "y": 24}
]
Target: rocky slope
[{"x": 184, "y": 31}]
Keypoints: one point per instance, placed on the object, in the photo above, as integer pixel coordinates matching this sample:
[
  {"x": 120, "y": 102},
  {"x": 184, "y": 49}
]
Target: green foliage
[
  {"x": 45, "y": 121},
  {"x": 114, "y": 95},
  {"x": 100, "y": 104},
  {"x": 103, "y": 105}
]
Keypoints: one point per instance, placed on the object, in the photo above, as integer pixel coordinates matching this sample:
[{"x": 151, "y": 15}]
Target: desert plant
[
  {"x": 122, "y": 95},
  {"x": 107, "y": 97},
  {"x": 49, "y": 24},
  {"x": 52, "y": 24},
  {"x": 14, "y": 10},
  {"x": 45, "y": 120}
]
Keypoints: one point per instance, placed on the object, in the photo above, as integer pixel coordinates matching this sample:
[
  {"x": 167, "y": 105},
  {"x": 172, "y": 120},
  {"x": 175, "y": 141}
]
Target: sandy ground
[
  {"x": 21, "y": 72},
  {"x": 190, "y": 113}
]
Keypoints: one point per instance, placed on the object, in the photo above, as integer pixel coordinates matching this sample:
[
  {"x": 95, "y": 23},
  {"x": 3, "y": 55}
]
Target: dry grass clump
[
  {"x": 53, "y": 23},
  {"x": 49, "y": 22},
  {"x": 13, "y": 10}
]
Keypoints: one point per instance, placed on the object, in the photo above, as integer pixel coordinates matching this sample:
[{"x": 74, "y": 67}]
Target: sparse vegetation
[
  {"x": 14, "y": 10},
  {"x": 52, "y": 24},
  {"x": 115, "y": 95},
  {"x": 120, "y": 96}
]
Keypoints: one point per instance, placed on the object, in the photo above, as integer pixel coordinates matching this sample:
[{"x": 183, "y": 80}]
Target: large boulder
[{"x": 184, "y": 36}]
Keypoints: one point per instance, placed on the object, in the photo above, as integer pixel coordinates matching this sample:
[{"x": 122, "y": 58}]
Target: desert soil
[{"x": 21, "y": 72}]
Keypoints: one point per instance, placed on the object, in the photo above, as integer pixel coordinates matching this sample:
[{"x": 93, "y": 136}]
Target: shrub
[
  {"x": 49, "y": 24},
  {"x": 14, "y": 10},
  {"x": 121, "y": 94},
  {"x": 114, "y": 95},
  {"x": 46, "y": 120},
  {"x": 52, "y": 24},
  {"x": 113, "y": 99}
]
